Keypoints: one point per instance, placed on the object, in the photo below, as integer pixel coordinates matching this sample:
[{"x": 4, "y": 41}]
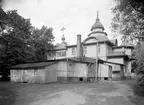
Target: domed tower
[
  {"x": 97, "y": 26},
  {"x": 63, "y": 44},
  {"x": 97, "y": 30}
]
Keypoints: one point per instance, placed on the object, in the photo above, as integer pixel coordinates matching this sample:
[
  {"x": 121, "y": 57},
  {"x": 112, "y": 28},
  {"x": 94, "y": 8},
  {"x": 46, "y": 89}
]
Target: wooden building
[{"x": 61, "y": 70}]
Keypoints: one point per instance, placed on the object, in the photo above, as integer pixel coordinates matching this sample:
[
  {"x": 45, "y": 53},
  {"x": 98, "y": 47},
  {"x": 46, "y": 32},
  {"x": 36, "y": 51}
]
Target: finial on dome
[
  {"x": 63, "y": 38},
  {"x": 97, "y": 14},
  {"x": 97, "y": 24}
]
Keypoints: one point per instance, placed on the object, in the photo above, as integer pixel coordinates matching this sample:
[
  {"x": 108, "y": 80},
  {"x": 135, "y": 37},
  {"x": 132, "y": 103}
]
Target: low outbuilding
[{"x": 69, "y": 69}]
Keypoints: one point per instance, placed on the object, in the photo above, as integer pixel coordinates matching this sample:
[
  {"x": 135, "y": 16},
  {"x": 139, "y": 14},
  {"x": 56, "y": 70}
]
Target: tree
[
  {"x": 20, "y": 42},
  {"x": 3, "y": 18},
  {"x": 42, "y": 42},
  {"x": 127, "y": 20},
  {"x": 138, "y": 5},
  {"x": 15, "y": 34},
  {"x": 139, "y": 63},
  {"x": 14, "y": 38}
]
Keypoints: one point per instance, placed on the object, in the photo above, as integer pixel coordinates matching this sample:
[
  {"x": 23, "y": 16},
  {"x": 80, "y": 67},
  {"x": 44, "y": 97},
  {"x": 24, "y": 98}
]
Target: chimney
[{"x": 79, "y": 46}]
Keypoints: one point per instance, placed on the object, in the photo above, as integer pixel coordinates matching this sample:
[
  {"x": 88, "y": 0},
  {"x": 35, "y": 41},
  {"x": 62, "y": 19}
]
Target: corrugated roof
[{"x": 37, "y": 65}]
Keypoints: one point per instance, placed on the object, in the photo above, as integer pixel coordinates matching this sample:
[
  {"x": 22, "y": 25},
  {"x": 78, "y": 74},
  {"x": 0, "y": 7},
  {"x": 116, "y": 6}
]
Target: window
[
  {"x": 116, "y": 72},
  {"x": 73, "y": 51},
  {"x": 58, "y": 54},
  {"x": 61, "y": 54},
  {"x": 84, "y": 50}
]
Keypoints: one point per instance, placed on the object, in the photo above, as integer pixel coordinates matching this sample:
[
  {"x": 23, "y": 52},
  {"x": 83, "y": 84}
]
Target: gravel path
[{"x": 102, "y": 93}]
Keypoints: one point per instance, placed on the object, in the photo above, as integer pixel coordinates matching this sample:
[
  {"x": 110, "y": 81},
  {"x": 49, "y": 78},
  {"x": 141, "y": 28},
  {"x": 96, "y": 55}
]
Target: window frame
[
  {"x": 73, "y": 51},
  {"x": 84, "y": 50},
  {"x": 61, "y": 54}
]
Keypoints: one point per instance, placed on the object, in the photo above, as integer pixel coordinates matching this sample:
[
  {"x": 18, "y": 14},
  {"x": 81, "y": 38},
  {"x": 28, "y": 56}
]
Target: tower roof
[{"x": 97, "y": 23}]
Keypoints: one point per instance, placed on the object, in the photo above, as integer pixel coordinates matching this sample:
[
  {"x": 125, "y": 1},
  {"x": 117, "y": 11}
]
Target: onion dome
[{"x": 97, "y": 23}]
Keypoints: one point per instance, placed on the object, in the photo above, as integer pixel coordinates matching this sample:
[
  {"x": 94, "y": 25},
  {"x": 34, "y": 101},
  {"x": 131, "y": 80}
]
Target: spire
[{"x": 97, "y": 15}]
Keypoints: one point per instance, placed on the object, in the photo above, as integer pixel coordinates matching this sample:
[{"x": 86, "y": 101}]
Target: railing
[{"x": 116, "y": 53}]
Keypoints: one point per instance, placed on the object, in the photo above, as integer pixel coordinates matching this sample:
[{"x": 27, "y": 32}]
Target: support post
[
  {"x": 96, "y": 73},
  {"x": 121, "y": 72}
]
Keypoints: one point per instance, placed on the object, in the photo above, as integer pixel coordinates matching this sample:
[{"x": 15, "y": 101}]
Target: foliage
[
  {"x": 3, "y": 18},
  {"x": 127, "y": 20},
  {"x": 14, "y": 37},
  {"x": 20, "y": 42},
  {"x": 138, "y": 54},
  {"x": 138, "y": 5},
  {"x": 42, "y": 42}
]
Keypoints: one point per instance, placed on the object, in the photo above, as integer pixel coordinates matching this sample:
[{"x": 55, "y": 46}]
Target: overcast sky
[{"x": 77, "y": 16}]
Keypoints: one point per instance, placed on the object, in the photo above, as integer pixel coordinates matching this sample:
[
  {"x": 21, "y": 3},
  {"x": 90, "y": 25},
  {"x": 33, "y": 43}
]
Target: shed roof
[
  {"x": 116, "y": 63},
  {"x": 35, "y": 65},
  {"x": 42, "y": 64},
  {"x": 84, "y": 59}
]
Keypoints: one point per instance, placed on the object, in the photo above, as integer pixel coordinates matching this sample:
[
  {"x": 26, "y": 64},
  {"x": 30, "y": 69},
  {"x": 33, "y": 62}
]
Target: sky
[{"x": 77, "y": 16}]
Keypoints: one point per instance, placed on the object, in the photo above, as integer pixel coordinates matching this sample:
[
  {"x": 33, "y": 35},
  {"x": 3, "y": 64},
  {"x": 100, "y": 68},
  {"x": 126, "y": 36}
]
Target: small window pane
[
  {"x": 73, "y": 51},
  {"x": 85, "y": 50}
]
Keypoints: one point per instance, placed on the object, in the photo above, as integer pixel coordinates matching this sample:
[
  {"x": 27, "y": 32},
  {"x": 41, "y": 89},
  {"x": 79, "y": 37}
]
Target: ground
[{"x": 101, "y": 93}]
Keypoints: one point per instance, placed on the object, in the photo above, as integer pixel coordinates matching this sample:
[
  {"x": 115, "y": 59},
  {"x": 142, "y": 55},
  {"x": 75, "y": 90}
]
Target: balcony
[{"x": 118, "y": 53}]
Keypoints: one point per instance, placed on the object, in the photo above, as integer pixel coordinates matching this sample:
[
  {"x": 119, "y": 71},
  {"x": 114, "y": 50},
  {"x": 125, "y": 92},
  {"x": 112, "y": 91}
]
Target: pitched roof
[
  {"x": 114, "y": 41},
  {"x": 61, "y": 46}
]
